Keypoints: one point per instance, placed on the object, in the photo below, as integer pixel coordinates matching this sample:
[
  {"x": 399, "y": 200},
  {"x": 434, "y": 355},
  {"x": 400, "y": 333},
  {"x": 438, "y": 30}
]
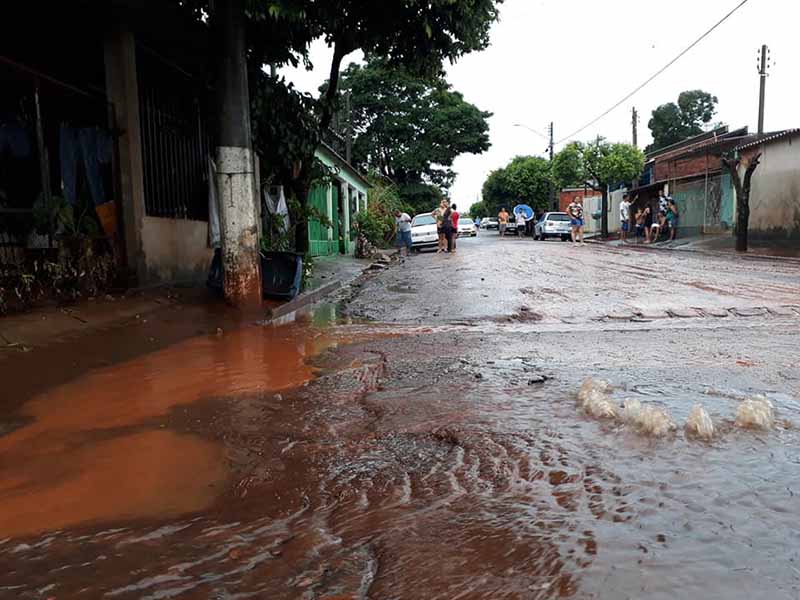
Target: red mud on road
[{"x": 94, "y": 449}]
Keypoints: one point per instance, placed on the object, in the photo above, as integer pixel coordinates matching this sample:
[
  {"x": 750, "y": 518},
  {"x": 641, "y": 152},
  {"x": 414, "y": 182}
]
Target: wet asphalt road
[
  {"x": 437, "y": 450},
  {"x": 490, "y": 278}
]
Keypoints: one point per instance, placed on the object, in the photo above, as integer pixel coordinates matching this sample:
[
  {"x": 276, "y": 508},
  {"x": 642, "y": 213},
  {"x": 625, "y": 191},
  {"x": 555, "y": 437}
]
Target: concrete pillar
[
  {"x": 235, "y": 170},
  {"x": 122, "y": 89},
  {"x": 329, "y": 198},
  {"x": 346, "y": 210}
]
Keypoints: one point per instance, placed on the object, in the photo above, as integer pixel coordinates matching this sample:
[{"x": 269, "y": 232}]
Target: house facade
[
  {"x": 692, "y": 173},
  {"x": 339, "y": 201},
  {"x": 775, "y": 186},
  {"x": 118, "y": 120}
]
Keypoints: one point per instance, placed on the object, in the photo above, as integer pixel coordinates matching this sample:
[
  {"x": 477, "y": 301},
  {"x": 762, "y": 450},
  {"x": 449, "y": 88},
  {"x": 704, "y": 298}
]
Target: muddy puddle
[{"x": 96, "y": 449}]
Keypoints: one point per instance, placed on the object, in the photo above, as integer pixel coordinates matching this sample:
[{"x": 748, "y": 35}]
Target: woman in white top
[{"x": 520, "y": 224}]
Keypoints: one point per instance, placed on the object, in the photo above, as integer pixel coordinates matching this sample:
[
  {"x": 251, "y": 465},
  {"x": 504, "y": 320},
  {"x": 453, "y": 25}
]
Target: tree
[
  {"x": 568, "y": 168},
  {"x": 672, "y": 123},
  {"x": 410, "y": 129},
  {"x": 601, "y": 165},
  {"x": 742, "y": 187},
  {"x": 419, "y": 36},
  {"x": 525, "y": 180},
  {"x": 478, "y": 210}
]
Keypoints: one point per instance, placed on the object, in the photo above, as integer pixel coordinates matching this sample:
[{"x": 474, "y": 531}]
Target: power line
[
  {"x": 657, "y": 73},
  {"x": 531, "y": 129}
]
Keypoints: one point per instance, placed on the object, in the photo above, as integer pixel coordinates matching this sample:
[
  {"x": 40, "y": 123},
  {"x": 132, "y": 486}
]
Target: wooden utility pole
[
  {"x": 762, "y": 72},
  {"x": 551, "y": 151},
  {"x": 235, "y": 166},
  {"x": 635, "y": 123},
  {"x": 348, "y": 134}
]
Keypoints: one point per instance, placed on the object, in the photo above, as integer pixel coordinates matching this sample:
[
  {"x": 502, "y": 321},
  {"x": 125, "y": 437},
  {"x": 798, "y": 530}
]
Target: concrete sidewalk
[
  {"x": 22, "y": 332},
  {"x": 330, "y": 274},
  {"x": 713, "y": 245},
  {"x": 42, "y": 326}
]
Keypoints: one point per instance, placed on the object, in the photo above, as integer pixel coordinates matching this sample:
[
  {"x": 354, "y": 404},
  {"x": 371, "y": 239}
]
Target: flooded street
[{"x": 424, "y": 437}]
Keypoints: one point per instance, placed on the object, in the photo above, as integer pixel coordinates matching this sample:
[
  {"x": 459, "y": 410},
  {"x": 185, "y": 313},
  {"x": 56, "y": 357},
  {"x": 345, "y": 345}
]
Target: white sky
[{"x": 567, "y": 61}]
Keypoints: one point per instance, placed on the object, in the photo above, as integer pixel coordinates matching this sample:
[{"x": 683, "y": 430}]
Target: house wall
[
  {"x": 567, "y": 195},
  {"x": 685, "y": 167},
  {"x": 775, "y": 191},
  {"x": 175, "y": 250}
]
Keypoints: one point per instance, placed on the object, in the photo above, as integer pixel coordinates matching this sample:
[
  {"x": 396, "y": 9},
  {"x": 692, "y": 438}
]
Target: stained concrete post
[
  {"x": 122, "y": 88},
  {"x": 235, "y": 170}
]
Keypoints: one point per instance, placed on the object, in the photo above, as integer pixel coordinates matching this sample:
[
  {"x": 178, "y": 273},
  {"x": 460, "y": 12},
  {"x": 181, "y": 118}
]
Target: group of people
[
  {"x": 446, "y": 217},
  {"x": 504, "y": 217},
  {"x": 648, "y": 225}
]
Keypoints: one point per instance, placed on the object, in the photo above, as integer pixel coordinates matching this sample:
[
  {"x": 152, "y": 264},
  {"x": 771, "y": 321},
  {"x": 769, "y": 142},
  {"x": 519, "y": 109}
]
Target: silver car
[{"x": 553, "y": 224}]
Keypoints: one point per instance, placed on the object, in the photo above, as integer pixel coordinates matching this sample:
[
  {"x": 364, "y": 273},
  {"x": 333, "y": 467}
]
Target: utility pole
[
  {"x": 235, "y": 166},
  {"x": 551, "y": 149},
  {"x": 762, "y": 71},
  {"x": 635, "y": 123},
  {"x": 348, "y": 135}
]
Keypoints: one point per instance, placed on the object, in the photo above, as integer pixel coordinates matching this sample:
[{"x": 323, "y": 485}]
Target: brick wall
[
  {"x": 673, "y": 168},
  {"x": 567, "y": 195}
]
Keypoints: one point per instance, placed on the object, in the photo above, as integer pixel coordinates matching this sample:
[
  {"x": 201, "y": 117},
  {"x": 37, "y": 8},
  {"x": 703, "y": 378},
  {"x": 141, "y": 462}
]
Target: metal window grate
[{"x": 175, "y": 141}]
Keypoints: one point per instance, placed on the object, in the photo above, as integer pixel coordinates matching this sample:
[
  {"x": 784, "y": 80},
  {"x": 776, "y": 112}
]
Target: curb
[
  {"x": 701, "y": 251},
  {"x": 317, "y": 294},
  {"x": 303, "y": 300}
]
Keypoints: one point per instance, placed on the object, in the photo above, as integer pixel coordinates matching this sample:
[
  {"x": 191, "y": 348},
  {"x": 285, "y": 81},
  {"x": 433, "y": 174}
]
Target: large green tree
[
  {"x": 674, "y": 122},
  {"x": 410, "y": 128},
  {"x": 418, "y": 35},
  {"x": 525, "y": 180},
  {"x": 608, "y": 164},
  {"x": 568, "y": 170}
]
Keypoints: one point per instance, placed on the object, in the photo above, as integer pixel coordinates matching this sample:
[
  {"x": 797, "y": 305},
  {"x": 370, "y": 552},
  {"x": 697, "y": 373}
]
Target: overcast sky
[{"x": 567, "y": 61}]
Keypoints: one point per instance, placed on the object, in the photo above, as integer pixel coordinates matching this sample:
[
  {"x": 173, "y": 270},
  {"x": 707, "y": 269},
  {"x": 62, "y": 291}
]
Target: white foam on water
[
  {"x": 699, "y": 423},
  {"x": 755, "y": 413},
  {"x": 593, "y": 385},
  {"x": 599, "y": 405},
  {"x": 647, "y": 420}
]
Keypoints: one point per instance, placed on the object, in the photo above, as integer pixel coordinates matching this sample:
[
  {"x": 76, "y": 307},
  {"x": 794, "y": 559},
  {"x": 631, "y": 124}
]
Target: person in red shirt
[{"x": 454, "y": 218}]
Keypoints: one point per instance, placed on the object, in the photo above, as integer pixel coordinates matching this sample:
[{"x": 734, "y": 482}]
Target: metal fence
[{"x": 175, "y": 140}]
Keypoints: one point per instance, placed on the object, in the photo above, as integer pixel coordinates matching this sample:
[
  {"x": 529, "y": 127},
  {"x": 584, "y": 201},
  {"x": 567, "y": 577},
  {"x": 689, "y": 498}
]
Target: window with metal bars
[{"x": 175, "y": 140}]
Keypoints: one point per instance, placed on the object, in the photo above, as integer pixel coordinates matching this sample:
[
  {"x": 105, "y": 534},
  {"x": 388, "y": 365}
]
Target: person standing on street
[
  {"x": 447, "y": 227},
  {"x": 640, "y": 224},
  {"x": 575, "y": 212},
  {"x": 625, "y": 217},
  {"x": 520, "y": 220},
  {"x": 502, "y": 218},
  {"x": 454, "y": 217},
  {"x": 403, "y": 240},
  {"x": 663, "y": 202},
  {"x": 438, "y": 214},
  {"x": 672, "y": 219},
  {"x": 648, "y": 224}
]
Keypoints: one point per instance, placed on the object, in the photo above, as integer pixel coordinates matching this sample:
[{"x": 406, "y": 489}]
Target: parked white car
[
  {"x": 553, "y": 224},
  {"x": 466, "y": 227},
  {"x": 424, "y": 233}
]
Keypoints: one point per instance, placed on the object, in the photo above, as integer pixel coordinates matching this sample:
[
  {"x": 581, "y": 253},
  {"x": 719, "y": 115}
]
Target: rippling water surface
[{"x": 409, "y": 467}]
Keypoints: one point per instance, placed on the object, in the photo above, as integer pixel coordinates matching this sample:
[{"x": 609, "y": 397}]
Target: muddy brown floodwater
[
  {"x": 426, "y": 459},
  {"x": 95, "y": 450}
]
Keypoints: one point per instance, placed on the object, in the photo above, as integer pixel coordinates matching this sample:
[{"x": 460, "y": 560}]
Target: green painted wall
[{"x": 726, "y": 208}]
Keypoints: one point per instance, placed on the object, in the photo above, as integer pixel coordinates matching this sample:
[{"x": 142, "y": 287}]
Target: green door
[{"x": 317, "y": 232}]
